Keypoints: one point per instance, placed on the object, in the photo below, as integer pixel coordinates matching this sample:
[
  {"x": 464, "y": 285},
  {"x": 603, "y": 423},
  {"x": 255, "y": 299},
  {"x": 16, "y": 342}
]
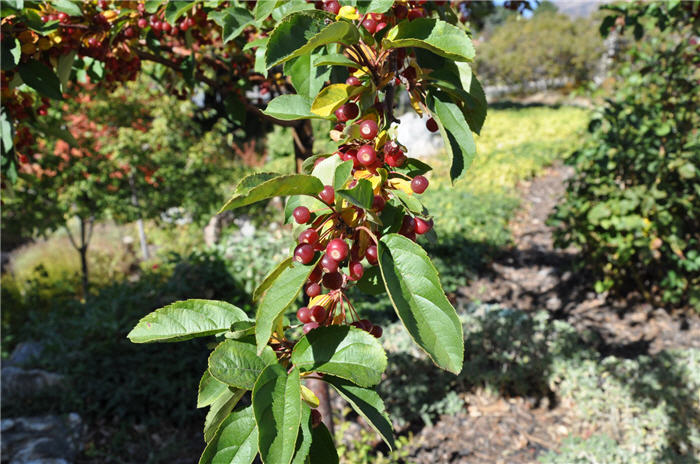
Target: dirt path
[{"x": 533, "y": 275}]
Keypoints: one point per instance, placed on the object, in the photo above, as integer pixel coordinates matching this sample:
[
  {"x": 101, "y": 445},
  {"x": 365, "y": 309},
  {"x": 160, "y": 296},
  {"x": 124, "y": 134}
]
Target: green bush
[{"x": 632, "y": 206}]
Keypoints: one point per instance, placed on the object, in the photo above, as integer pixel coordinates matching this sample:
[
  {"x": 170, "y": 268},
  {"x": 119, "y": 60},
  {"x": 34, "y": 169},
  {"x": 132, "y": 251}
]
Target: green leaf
[
  {"x": 302, "y": 32},
  {"x": 41, "y": 78},
  {"x": 413, "y": 285},
  {"x": 11, "y": 53},
  {"x": 174, "y": 10},
  {"x": 306, "y": 78},
  {"x": 411, "y": 202},
  {"x": 283, "y": 185},
  {"x": 271, "y": 277},
  {"x": 361, "y": 195},
  {"x": 304, "y": 439},
  {"x": 371, "y": 282},
  {"x": 279, "y": 296},
  {"x": 232, "y": 21},
  {"x": 455, "y": 132},
  {"x": 219, "y": 410},
  {"x": 187, "y": 319},
  {"x": 322, "y": 447},
  {"x": 5, "y": 132},
  {"x": 64, "y": 67},
  {"x": 374, "y": 6},
  {"x": 432, "y": 34},
  {"x": 209, "y": 390},
  {"x": 237, "y": 364},
  {"x": 334, "y": 59},
  {"x": 277, "y": 408},
  {"x": 66, "y": 6},
  {"x": 263, "y": 9},
  {"x": 290, "y": 6},
  {"x": 240, "y": 330},
  {"x": 303, "y": 200},
  {"x": 343, "y": 351},
  {"x": 333, "y": 97},
  {"x": 290, "y": 108},
  {"x": 153, "y": 5},
  {"x": 236, "y": 440},
  {"x": 413, "y": 167},
  {"x": 367, "y": 403},
  {"x": 333, "y": 171}
]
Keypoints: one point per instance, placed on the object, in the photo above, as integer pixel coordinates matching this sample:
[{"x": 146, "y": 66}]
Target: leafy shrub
[
  {"x": 86, "y": 342},
  {"x": 632, "y": 205}
]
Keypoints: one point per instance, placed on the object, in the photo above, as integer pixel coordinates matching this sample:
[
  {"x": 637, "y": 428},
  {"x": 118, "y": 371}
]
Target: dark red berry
[
  {"x": 376, "y": 331},
  {"x": 415, "y": 13},
  {"x": 352, "y": 80},
  {"x": 366, "y": 155},
  {"x": 408, "y": 225},
  {"x": 332, "y": 7},
  {"x": 316, "y": 274},
  {"x": 357, "y": 270},
  {"x": 63, "y": 17},
  {"x": 333, "y": 280},
  {"x": 319, "y": 313},
  {"x": 423, "y": 226},
  {"x": 309, "y": 326},
  {"x": 368, "y": 129},
  {"x": 370, "y": 24},
  {"x": 347, "y": 112},
  {"x": 432, "y": 125},
  {"x": 142, "y": 22},
  {"x": 316, "y": 418},
  {"x": 165, "y": 26},
  {"x": 337, "y": 249},
  {"x": 309, "y": 236},
  {"x": 129, "y": 32},
  {"x": 400, "y": 11},
  {"x": 327, "y": 195},
  {"x": 304, "y": 315},
  {"x": 328, "y": 264},
  {"x": 378, "y": 203},
  {"x": 301, "y": 214},
  {"x": 419, "y": 184},
  {"x": 365, "y": 324},
  {"x": 371, "y": 254},
  {"x": 304, "y": 253},
  {"x": 313, "y": 289},
  {"x": 380, "y": 25}
]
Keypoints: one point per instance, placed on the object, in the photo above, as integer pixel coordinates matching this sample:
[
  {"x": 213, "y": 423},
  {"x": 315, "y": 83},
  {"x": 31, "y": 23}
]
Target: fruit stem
[{"x": 370, "y": 233}]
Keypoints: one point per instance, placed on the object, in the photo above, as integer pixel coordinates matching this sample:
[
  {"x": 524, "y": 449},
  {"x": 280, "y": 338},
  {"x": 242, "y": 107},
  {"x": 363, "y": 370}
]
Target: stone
[
  {"x": 41, "y": 440},
  {"x": 20, "y": 383},
  {"x": 24, "y": 354}
]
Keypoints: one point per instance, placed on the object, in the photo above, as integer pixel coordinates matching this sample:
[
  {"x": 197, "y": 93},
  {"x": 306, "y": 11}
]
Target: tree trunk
[
  {"x": 82, "y": 249},
  {"x": 303, "y": 141},
  {"x": 320, "y": 389},
  {"x": 139, "y": 221}
]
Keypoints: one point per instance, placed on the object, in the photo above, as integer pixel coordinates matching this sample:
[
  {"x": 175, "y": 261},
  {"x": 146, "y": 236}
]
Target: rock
[
  {"x": 21, "y": 383},
  {"x": 41, "y": 440},
  {"x": 25, "y": 353},
  {"x": 419, "y": 141}
]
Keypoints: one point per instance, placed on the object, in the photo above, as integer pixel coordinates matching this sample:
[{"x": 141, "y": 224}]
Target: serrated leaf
[
  {"x": 263, "y": 9},
  {"x": 302, "y": 32},
  {"x": 304, "y": 438},
  {"x": 413, "y": 285},
  {"x": 277, "y": 408},
  {"x": 236, "y": 440},
  {"x": 367, "y": 403},
  {"x": 432, "y": 34},
  {"x": 361, "y": 195},
  {"x": 455, "y": 131},
  {"x": 343, "y": 351},
  {"x": 334, "y": 59},
  {"x": 220, "y": 409},
  {"x": 333, "y": 97},
  {"x": 41, "y": 78},
  {"x": 237, "y": 363},
  {"x": 287, "y": 7},
  {"x": 333, "y": 171},
  {"x": 232, "y": 21},
  {"x": 187, "y": 319},
  {"x": 290, "y": 108},
  {"x": 64, "y": 67},
  {"x": 323, "y": 449},
  {"x": 282, "y": 293},
  {"x": 283, "y": 185},
  {"x": 306, "y": 78},
  {"x": 271, "y": 277},
  {"x": 153, "y": 5},
  {"x": 66, "y": 6},
  {"x": 174, "y": 10},
  {"x": 374, "y": 6},
  {"x": 411, "y": 202},
  {"x": 209, "y": 390}
]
